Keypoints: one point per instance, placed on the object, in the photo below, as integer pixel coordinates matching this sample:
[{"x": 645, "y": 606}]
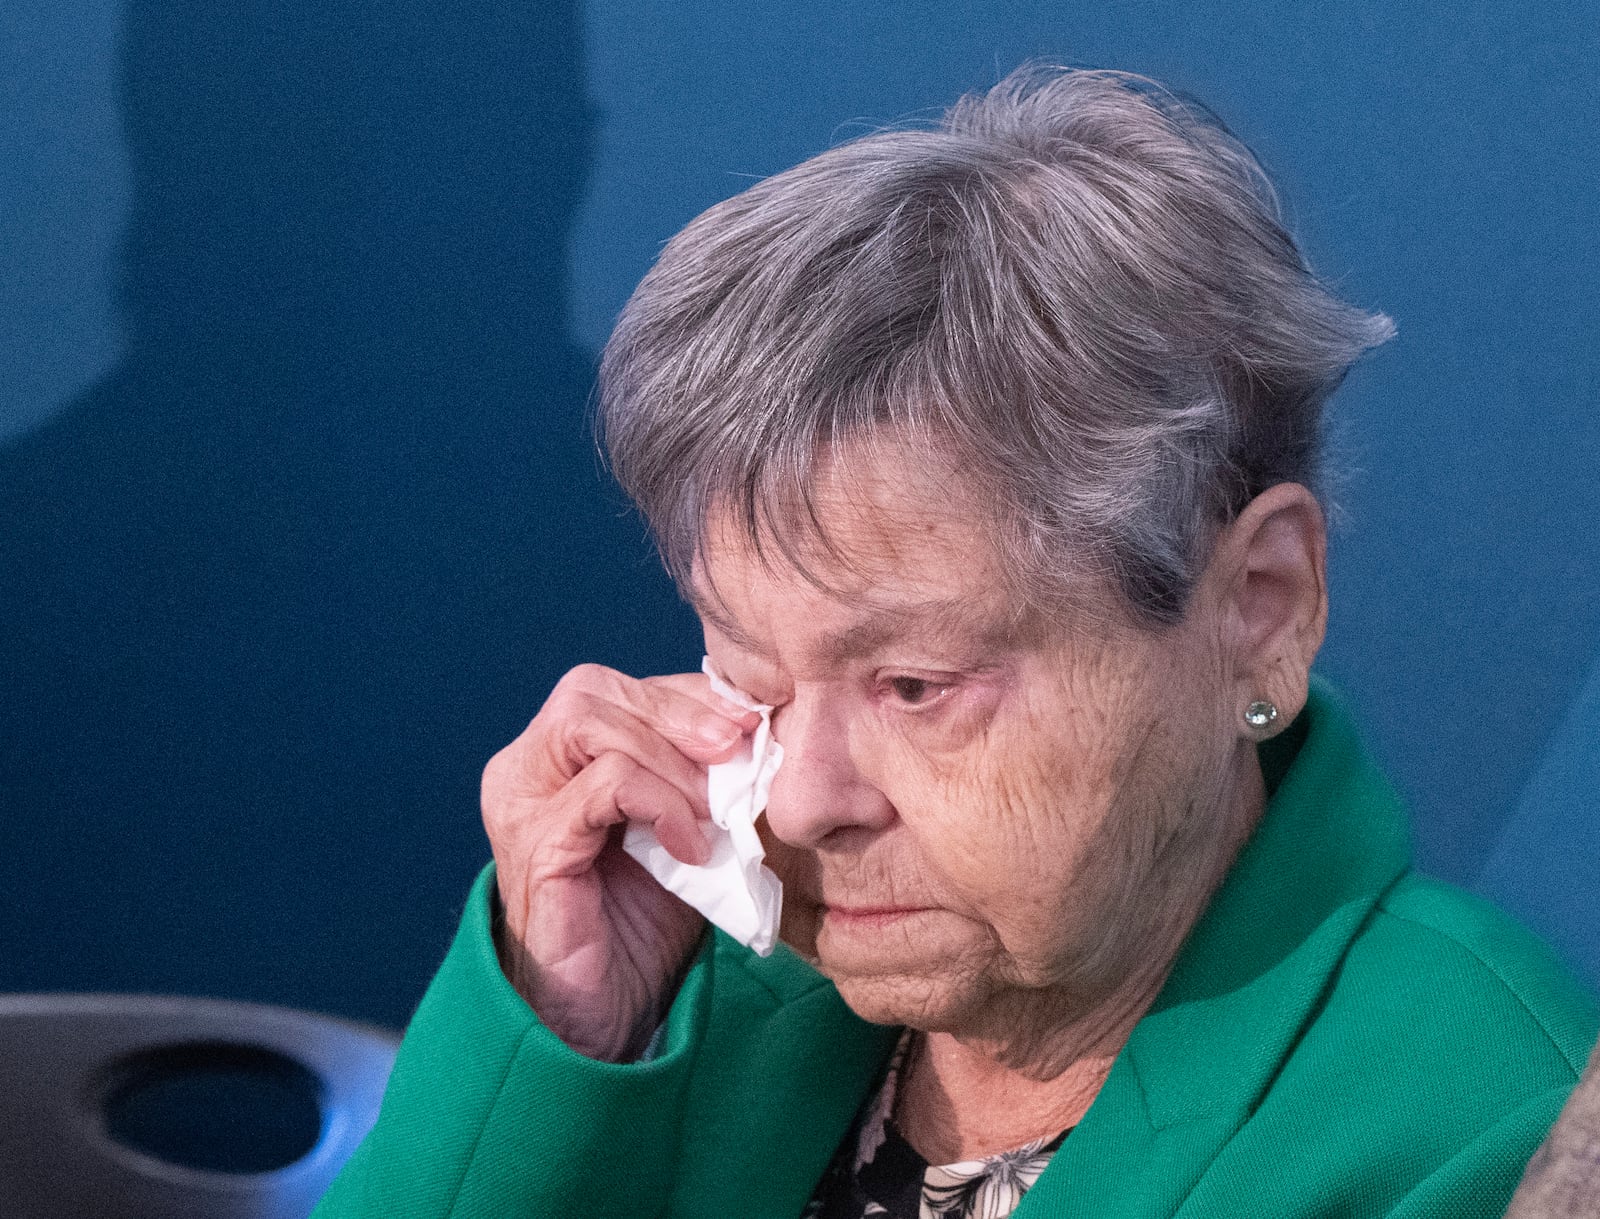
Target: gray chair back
[{"x": 81, "y": 1074}]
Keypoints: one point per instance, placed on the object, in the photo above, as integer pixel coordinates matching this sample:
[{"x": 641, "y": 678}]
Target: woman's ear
[{"x": 1271, "y": 563}]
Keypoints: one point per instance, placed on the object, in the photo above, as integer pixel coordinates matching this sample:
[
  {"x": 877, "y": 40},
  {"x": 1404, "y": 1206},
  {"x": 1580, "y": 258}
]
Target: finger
[
  {"x": 613, "y": 790},
  {"x": 602, "y": 727},
  {"x": 552, "y": 755},
  {"x": 698, "y": 686},
  {"x": 683, "y": 709},
  {"x": 678, "y": 703},
  {"x": 642, "y": 797}
]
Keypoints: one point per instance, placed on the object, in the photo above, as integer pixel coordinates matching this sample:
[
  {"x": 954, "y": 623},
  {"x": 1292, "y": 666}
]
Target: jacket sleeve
[{"x": 489, "y": 1113}]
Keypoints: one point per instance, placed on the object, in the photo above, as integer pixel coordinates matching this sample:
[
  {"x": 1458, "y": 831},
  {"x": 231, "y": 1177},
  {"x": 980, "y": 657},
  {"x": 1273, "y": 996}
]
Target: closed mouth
[{"x": 870, "y": 913}]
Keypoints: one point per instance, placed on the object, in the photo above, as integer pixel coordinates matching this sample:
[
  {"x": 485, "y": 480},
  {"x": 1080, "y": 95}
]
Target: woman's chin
[
  {"x": 927, "y": 983},
  {"x": 930, "y": 1004}
]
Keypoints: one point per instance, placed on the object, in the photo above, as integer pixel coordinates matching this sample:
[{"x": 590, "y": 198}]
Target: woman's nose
[{"x": 819, "y": 789}]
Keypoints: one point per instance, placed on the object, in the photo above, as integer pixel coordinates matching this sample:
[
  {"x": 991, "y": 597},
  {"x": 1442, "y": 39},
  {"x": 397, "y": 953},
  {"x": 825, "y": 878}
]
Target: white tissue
[{"x": 732, "y": 888}]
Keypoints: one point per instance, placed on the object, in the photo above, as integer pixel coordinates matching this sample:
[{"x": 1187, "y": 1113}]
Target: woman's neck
[
  {"x": 955, "y": 1104},
  {"x": 962, "y": 1098}
]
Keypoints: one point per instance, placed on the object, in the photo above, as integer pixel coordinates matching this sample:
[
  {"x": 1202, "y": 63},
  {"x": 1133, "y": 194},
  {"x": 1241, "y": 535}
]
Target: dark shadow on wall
[{"x": 277, "y": 587}]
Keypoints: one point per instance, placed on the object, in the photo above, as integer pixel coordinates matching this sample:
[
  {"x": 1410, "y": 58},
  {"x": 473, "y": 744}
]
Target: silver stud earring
[{"x": 1261, "y": 714}]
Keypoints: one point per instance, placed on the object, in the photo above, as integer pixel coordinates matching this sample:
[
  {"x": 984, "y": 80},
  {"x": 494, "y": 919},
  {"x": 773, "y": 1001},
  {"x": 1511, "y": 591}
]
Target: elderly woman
[{"x": 986, "y": 456}]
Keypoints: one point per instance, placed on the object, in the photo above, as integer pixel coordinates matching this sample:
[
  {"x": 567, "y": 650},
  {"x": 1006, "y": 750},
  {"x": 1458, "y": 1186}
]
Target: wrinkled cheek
[
  {"x": 1014, "y": 845},
  {"x": 1043, "y": 946},
  {"x": 1011, "y": 817}
]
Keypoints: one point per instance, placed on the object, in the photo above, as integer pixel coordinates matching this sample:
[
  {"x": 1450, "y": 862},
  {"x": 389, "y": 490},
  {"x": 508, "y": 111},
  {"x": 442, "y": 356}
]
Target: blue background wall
[{"x": 299, "y": 520}]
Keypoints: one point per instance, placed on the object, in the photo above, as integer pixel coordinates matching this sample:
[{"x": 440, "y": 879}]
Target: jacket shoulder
[
  {"x": 1470, "y": 969},
  {"x": 1443, "y": 1045}
]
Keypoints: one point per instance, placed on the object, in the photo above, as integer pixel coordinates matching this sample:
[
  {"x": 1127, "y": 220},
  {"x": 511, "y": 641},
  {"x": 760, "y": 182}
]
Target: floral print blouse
[{"x": 875, "y": 1172}]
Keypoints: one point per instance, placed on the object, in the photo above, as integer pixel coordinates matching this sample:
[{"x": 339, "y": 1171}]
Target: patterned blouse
[{"x": 875, "y": 1172}]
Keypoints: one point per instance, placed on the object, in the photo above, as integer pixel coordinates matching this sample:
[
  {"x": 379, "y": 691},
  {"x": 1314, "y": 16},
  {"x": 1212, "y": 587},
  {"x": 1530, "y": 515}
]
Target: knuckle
[
  {"x": 588, "y": 678},
  {"x": 562, "y": 702},
  {"x": 495, "y": 771},
  {"x": 582, "y": 693},
  {"x": 496, "y": 795},
  {"x": 610, "y": 770},
  {"x": 514, "y": 773}
]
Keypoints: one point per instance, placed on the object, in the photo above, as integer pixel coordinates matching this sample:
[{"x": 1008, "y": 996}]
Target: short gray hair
[{"x": 1078, "y": 286}]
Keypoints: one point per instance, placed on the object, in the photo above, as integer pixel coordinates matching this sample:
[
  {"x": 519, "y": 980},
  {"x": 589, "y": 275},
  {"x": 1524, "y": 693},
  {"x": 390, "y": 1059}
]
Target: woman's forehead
[
  {"x": 869, "y": 505},
  {"x": 883, "y": 538},
  {"x": 891, "y": 537},
  {"x": 875, "y": 574}
]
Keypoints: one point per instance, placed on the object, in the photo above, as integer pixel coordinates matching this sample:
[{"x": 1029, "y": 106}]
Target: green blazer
[{"x": 1339, "y": 1037}]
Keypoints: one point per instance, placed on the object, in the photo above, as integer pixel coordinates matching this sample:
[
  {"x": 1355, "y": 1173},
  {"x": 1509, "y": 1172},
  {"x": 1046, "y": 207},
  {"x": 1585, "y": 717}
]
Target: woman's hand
[{"x": 589, "y": 938}]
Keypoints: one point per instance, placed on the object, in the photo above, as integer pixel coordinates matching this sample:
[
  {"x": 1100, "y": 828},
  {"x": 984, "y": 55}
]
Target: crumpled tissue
[{"x": 732, "y": 889}]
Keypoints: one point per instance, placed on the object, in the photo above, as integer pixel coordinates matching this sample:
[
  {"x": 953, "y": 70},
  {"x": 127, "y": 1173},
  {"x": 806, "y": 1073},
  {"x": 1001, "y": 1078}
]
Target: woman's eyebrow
[
  {"x": 727, "y": 627},
  {"x": 939, "y": 620}
]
